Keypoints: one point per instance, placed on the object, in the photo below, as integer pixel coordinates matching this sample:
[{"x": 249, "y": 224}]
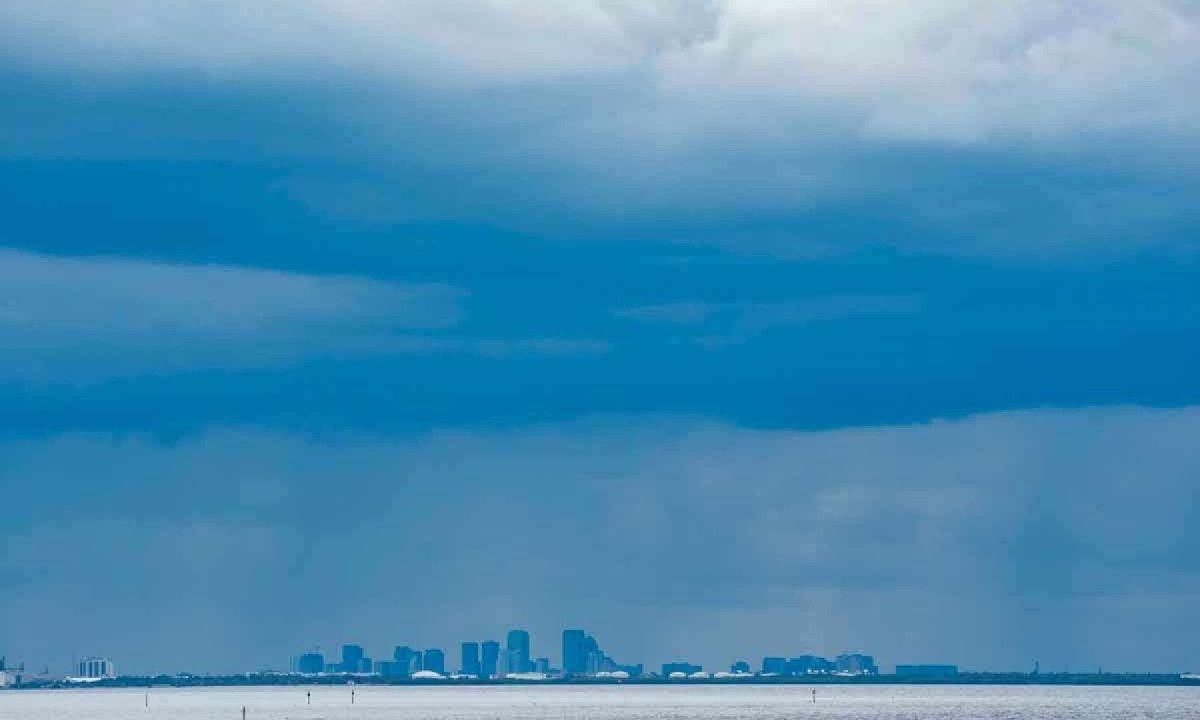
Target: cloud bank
[{"x": 1063, "y": 536}]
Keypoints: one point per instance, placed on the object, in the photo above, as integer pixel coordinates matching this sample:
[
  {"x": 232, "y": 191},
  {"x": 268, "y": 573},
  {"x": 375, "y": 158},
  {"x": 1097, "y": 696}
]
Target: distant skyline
[{"x": 716, "y": 327}]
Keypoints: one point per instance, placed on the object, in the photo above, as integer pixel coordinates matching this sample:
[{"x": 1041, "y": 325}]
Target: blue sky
[{"x": 780, "y": 316}]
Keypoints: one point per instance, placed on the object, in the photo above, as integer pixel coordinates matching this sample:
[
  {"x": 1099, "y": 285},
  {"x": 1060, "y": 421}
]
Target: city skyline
[{"x": 715, "y": 328}]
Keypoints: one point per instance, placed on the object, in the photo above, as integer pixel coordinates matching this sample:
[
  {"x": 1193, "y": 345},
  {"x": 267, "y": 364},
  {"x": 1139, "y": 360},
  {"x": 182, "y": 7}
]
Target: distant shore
[{"x": 282, "y": 679}]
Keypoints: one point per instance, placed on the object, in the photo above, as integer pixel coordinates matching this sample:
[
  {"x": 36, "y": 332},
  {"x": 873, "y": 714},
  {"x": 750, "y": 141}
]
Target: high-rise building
[
  {"x": 311, "y": 663},
  {"x": 542, "y": 665},
  {"x": 408, "y": 661},
  {"x": 470, "y": 659},
  {"x": 574, "y": 653},
  {"x": 352, "y": 656},
  {"x": 490, "y": 651},
  {"x": 435, "y": 660},
  {"x": 96, "y": 668},
  {"x": 518, "y": 649},
  {"x": 593, "y": 658}
]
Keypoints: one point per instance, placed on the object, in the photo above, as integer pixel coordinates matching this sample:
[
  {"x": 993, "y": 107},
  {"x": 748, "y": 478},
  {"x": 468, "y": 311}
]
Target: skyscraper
[
  {"x": 491, "y": 656},
  {"x": 593, "y": 658},
  {"x": 311, "y": 663},
  {"x": 518, "y": 649},
  {"x": 352, "y": 656},
  {"x": 470, "y": 659},
  {"x": 408, "y": 661},
  {"x": 435, "y": 660},
  {"x": 574, "y": 654}
]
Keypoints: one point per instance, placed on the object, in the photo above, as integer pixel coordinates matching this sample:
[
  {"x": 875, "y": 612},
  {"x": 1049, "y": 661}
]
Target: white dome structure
[
  {"x": 427, "y": 675},
  {"x": 677, "y": 676}
]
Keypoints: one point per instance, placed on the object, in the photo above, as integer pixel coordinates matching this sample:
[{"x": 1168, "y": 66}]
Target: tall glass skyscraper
[
  {"x": 574, "y": 653},
  {"x": 518, "y": 649},
  {"x": 470, "y": 659},
  {"x": 352, "y": 656},
  {"x": 491, "y": 656},
  {"x": 435, "y": 661}
]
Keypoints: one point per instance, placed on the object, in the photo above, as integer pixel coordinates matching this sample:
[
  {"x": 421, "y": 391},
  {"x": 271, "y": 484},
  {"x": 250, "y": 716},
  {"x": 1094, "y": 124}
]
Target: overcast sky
[{"x": 720, "y": 328}]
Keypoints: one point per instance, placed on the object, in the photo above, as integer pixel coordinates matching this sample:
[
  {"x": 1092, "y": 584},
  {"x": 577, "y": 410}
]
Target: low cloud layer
[{"x": 1061, "y": 536}]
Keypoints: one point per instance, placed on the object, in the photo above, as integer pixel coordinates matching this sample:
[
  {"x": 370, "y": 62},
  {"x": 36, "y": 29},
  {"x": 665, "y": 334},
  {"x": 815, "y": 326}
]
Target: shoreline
[{"x": 287, "y": 680}]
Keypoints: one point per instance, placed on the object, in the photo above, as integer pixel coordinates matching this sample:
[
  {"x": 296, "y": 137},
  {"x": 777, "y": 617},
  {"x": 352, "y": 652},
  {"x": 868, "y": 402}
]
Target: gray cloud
[
  {"x": 102, "y": 316},
  {"x": 929, "y": 70},
  {"x": 1026, "y": 129},
  {"x": 83, "y": 319},
  {"x": 1064, "y": 536}
]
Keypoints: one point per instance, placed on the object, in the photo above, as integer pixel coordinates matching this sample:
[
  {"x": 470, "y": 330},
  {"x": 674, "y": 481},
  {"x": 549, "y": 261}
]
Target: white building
[
  {"x": 7, "y": 679},
  {"x": 95, "y": 668}
]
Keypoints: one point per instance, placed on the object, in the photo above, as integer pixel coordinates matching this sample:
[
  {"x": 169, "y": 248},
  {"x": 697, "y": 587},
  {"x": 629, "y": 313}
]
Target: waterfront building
[
  {"x": 542, "y": 665},
  {"x": 774, "y": 666},
  {"x": 574, "y": 653},
  {"x": 490, "y": 657},
  {"x": 470, "y": 659},
  {"x": 741, "y": 667},
  {"x": 435, "y": 661},
  {"x": 95, "y": 668},
  {"x": 311, "y": 664},
  {"x": 352, "y": 656},
  {"x": 856, "y": 664},
  {"x": 809, "y": 665},
  {"x": 407, "y": 661},
  {"x": 518, "y": 650}
]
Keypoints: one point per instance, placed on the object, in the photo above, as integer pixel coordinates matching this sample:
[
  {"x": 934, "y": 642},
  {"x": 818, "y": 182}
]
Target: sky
[{"x": 720, "y": 328}]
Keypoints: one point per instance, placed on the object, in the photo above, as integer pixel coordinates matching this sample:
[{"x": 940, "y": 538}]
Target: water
[{"x": 792, "y": 702}]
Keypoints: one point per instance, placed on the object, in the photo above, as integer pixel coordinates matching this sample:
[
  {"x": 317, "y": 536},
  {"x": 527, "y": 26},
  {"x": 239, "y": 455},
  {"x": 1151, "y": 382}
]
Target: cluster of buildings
[{"x": 581, "y": 655}]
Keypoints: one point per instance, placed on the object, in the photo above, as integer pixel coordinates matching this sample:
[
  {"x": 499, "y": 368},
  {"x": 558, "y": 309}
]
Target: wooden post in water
[
  {"x": 309, "y": 694},
  {"x": 243, "y": 712}
]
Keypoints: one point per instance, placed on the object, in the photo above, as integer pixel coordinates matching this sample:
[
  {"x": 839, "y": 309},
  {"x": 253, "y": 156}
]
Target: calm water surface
[{"x": 608, "y": 702}]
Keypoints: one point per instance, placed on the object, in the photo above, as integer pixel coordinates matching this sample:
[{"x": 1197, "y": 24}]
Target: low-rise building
[{"x": 95, "y": 668}]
